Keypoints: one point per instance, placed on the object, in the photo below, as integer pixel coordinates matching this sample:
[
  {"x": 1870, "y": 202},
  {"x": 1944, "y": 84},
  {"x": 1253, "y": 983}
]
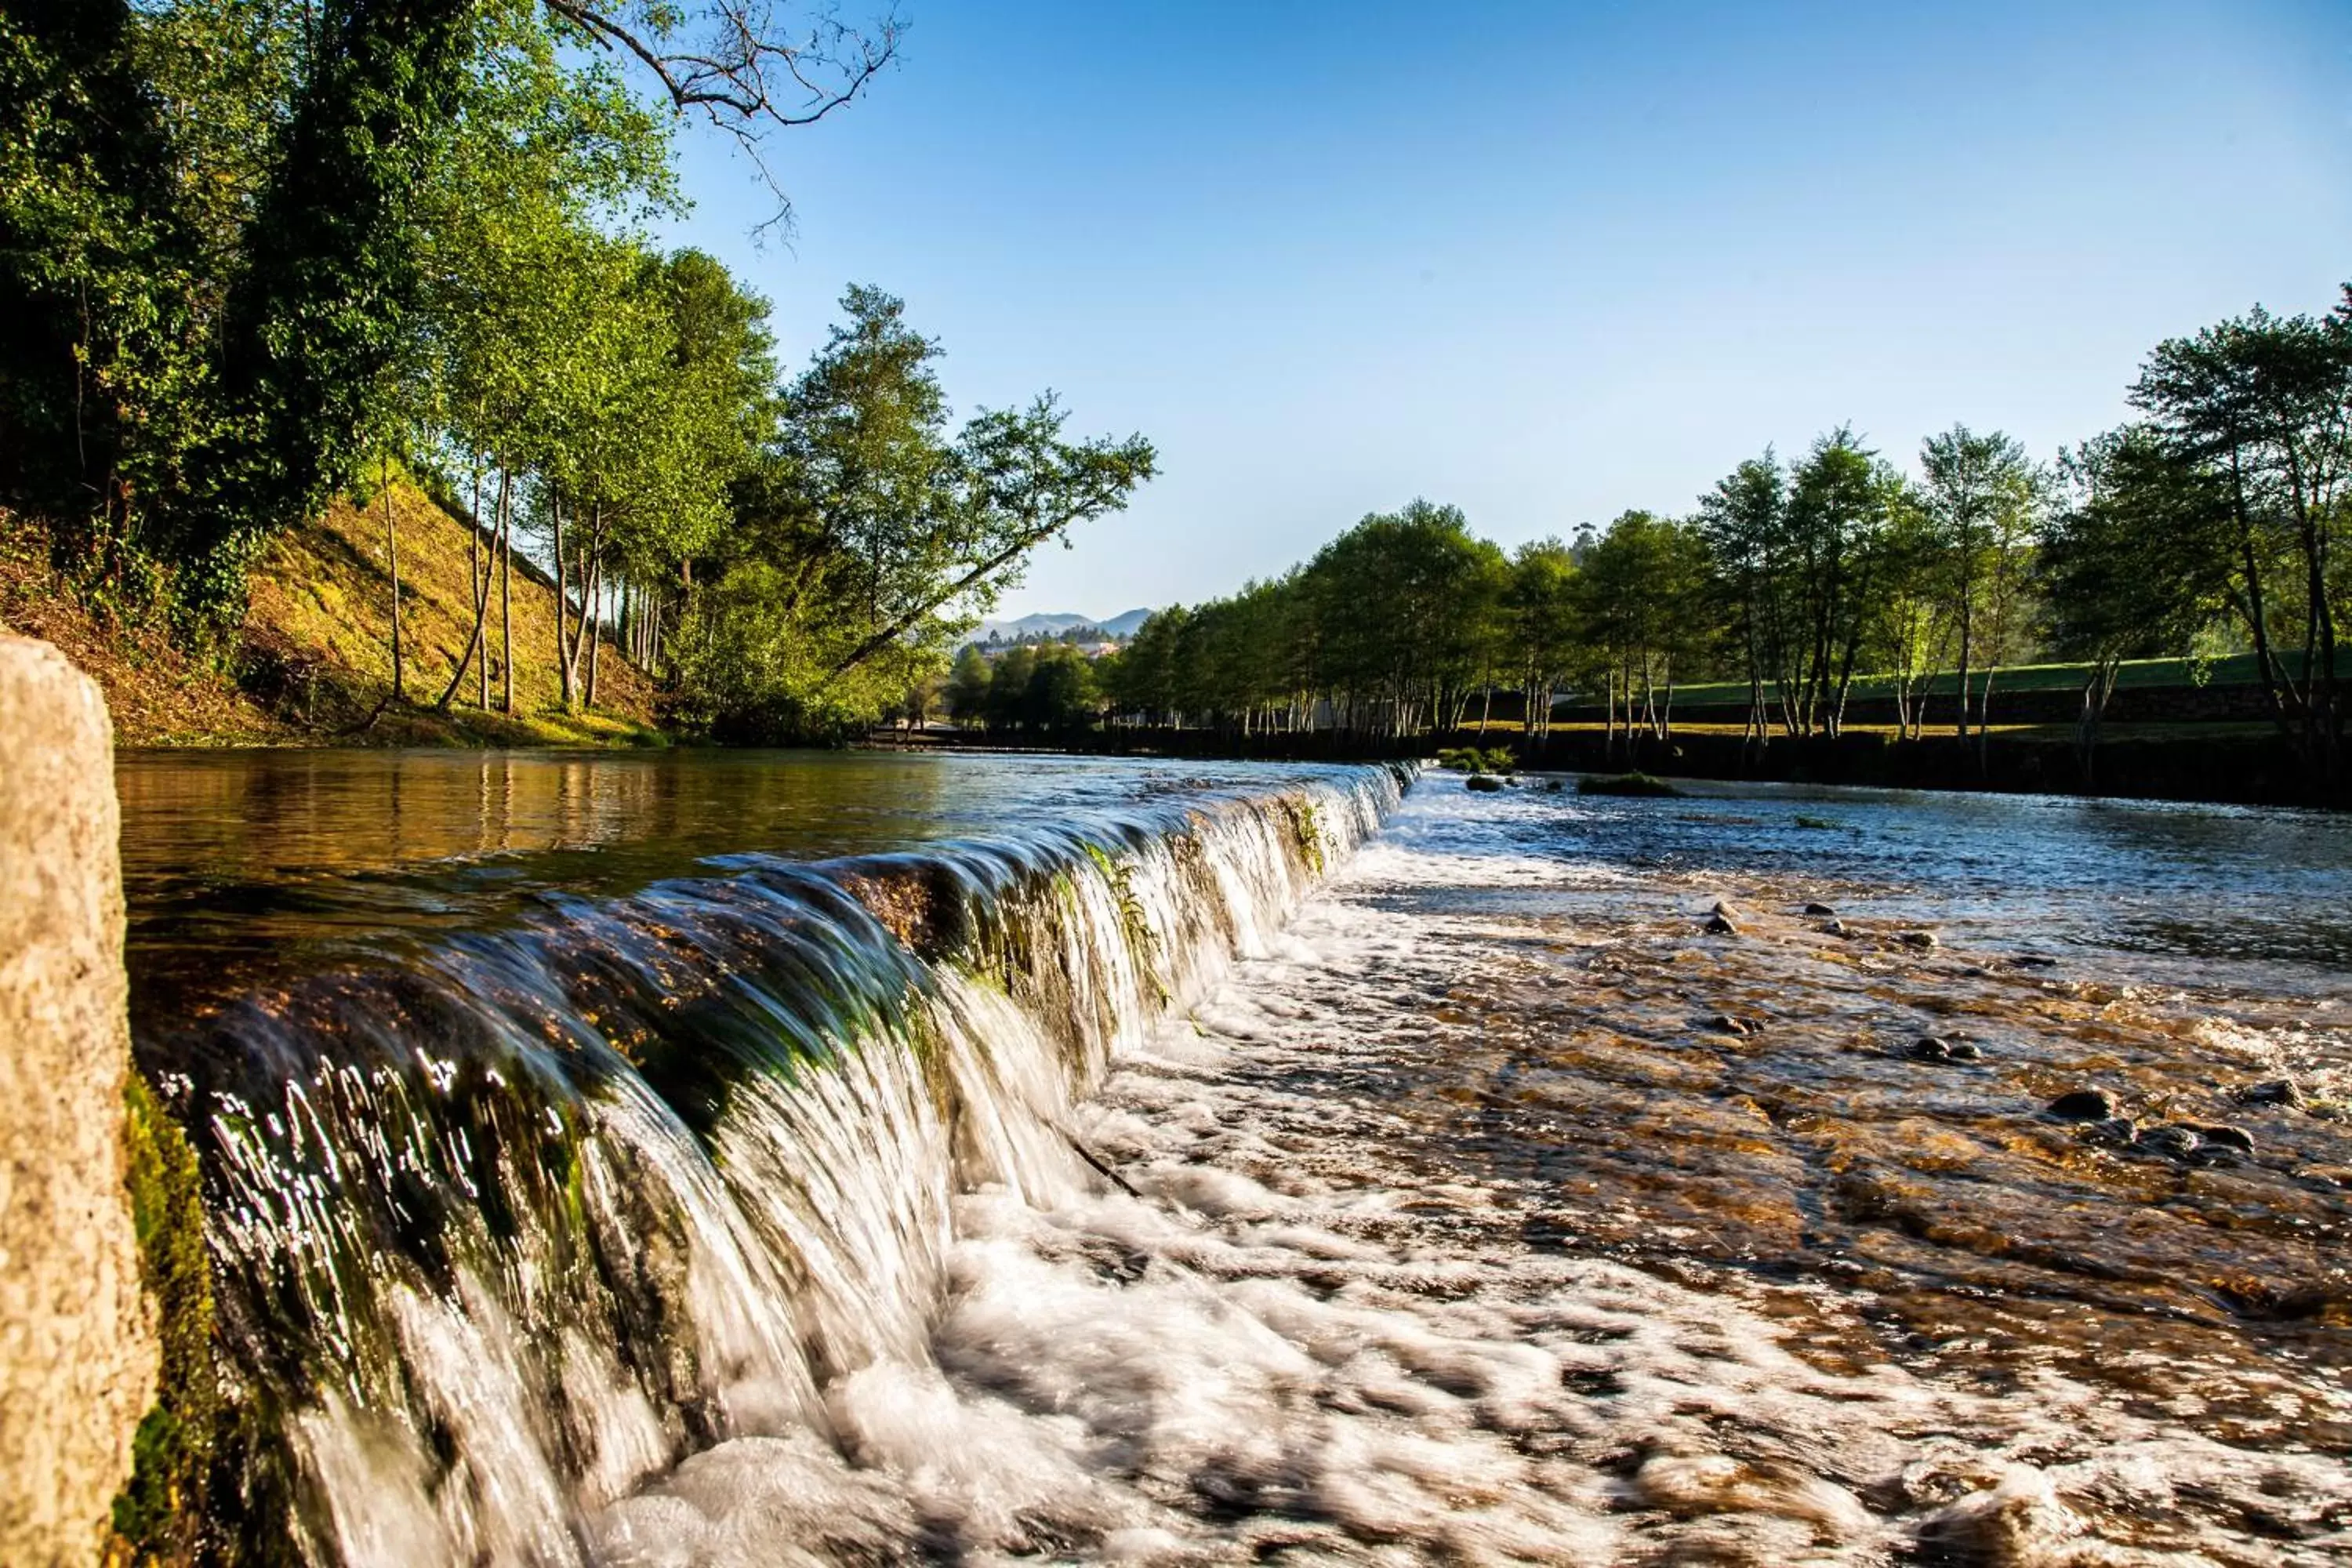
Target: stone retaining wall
[{"x": 77, "y": 1352}]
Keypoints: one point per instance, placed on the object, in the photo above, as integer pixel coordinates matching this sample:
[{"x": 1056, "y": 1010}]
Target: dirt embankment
[{"x": 312, "y": 662}]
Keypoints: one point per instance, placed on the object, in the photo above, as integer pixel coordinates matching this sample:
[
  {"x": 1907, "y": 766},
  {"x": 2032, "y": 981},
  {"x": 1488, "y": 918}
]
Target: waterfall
[{"x": 504, "y": 1229}]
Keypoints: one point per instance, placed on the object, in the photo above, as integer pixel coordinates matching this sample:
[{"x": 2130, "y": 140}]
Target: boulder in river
[
  {"x": 1922, "y": 940},
  {"x": 1930, "y": 1048},
  {"x": 2222, "y": 1135},
  {"x": 2084, "y": 1105},
  {"x": 2173, "y": 1141},
  {"x": 1834, "y": 928},
  {"x": 1967, "y": 1051},
  {"x": 1818, "y": 909},
  {"x": 2271, "y": 1091},
  {"x": 1721, "y": 924},
  {"x": 1724, "y": 1024},
  {"x": 1482, "y": 783}
]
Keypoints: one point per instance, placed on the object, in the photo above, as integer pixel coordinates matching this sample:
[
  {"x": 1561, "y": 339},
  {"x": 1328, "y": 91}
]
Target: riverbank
[
  {"x": 310, "y": 663},
  {"x": 2239, "y": 765}
]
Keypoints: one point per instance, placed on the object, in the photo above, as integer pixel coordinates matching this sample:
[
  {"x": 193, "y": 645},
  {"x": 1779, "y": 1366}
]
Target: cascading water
[{"x": 502, "y": 1231}]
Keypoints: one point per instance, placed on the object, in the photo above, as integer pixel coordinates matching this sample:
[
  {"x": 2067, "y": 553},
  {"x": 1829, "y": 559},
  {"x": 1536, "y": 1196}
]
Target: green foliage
[
  {"x": 158, "y": 1512},
  {"x": 968, "y": 687},
  {"x": 864, "y": 539},
  {"x": 1473, "y": 760}
]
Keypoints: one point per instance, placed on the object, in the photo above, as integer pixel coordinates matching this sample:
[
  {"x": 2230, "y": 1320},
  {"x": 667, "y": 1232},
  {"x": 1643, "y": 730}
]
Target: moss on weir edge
[{"x": 158, "y": 1513}]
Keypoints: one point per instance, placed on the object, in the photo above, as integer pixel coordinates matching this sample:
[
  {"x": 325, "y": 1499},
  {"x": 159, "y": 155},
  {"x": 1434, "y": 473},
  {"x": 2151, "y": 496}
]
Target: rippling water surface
[{"x": 1492, "y": 1209}]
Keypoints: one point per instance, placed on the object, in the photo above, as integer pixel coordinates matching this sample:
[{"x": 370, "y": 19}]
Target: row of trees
[
  {"x": 2216, "y": 520},
  {"x": 268, "y": 249}
]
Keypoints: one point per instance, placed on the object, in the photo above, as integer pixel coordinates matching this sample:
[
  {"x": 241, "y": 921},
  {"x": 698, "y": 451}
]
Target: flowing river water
[{"x": 759, "y": 1160}]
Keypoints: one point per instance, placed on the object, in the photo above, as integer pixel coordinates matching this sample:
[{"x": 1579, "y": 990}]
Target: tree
[
  {"x": 213, "y": 229},
  {"x": 2134, "y": 565},
  {"x": 864, "y": 539},
  {"x": 2263, "y": 403},
  {"x": 968, "y": 686},
  {"x": 1745, "y": 523},
  {"x": 1642, "y": 588},
  {"x": 1983, "y": 502},
  {"x": 1544, "y": 626},
  {"x": 1835, "y": 527}
]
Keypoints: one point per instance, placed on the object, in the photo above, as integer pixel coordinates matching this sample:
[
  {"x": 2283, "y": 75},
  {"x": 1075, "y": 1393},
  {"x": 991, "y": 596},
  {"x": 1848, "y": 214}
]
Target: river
[{"x": 742, "y": 1160}]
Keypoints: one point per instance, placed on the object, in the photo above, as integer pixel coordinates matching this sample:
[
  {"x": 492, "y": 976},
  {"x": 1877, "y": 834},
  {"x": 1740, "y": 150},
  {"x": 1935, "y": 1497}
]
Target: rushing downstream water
[{"x": 1020, "y": 1158}]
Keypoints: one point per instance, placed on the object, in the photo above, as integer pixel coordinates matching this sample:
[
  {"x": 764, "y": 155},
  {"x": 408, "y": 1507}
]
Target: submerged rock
[
  {"x": 1922, "y": 940},
  {"x": 1639, "y": 785},
  {"x": 2084, "y": 1105}
]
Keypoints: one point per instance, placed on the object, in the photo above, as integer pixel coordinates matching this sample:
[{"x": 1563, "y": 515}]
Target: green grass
[{"x": 2236, "y": 669}]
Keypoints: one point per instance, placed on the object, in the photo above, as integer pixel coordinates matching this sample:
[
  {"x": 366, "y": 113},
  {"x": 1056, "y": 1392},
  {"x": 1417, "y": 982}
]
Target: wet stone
[
  {"x": 1482, "y": 783},
  {"x": 1967, "y": 1051},
  {"x": 2117, "y": 1129},
  {"x": 1834, "y": 928},
  {"x": 2273, "y": 1091},
  {"x": 2222, "y": 1135},
  {"x": 1922, "y": 940},
  {"x": 2172, "y": 1141},
  {"x": 1928, "y": 1048},
  {"x": 1721, "y": 924},
  {"x": 1818, "y": 909},
  {"x": 2084, "y": 1105},
  {"x": 2032, "y": 961},
  {"x": 1724, "y": 1024}
]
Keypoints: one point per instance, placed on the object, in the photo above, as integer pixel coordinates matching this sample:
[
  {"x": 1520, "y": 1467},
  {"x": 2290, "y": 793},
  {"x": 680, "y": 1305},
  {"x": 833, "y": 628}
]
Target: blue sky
[{"x": 1545, "y": 261}]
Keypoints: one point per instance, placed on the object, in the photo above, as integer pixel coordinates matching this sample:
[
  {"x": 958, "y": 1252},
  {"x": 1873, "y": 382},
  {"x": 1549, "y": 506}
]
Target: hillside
[
  {"x": 1053, "y": 622},
  {"x": 313, "y": 660}
]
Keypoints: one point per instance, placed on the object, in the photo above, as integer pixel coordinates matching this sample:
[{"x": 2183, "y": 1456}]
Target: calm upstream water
[{"x": 748, "y": 1160}]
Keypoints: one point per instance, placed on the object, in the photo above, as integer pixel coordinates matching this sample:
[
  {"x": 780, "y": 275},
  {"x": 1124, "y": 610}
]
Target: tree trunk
[
  {"x": 595, "y": 626},
  {"x": 506, "y": 595},
  {"x": 562, "y": 645},
  {"x": 392, "y": 545},
  {"x": 478, "y": 582}
]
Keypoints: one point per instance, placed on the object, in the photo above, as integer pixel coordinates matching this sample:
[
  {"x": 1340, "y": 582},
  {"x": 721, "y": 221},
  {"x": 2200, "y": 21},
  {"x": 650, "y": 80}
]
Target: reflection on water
[{"x": 245, "y": 866}]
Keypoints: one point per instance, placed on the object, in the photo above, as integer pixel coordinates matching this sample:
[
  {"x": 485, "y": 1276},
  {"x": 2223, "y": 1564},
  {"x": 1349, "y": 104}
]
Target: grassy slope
[{"x": 316, "y": 657}]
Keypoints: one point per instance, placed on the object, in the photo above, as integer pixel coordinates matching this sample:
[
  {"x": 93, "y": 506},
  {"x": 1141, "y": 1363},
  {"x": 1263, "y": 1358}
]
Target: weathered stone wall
[{"x": 78, "y": 1350}]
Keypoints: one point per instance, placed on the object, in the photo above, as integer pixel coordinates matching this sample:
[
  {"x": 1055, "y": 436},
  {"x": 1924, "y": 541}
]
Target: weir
[{"x": 503, "y": 1231}]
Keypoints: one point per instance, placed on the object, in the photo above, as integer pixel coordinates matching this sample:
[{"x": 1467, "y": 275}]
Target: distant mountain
[{"x": 1051, "y": 624}]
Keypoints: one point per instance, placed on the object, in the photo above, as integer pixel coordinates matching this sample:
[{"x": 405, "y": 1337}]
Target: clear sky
[{"x": 1546, "y": 261}]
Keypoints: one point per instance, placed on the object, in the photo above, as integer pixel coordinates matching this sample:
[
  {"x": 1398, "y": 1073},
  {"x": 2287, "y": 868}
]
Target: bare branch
[{"x": 741, "y": 64}]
